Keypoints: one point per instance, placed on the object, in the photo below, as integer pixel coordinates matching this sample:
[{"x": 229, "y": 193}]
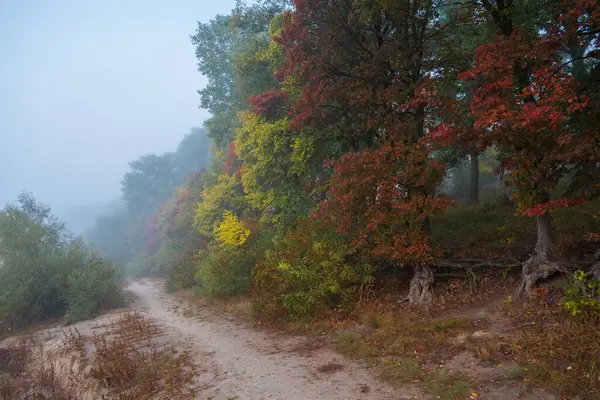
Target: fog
[{"x": 88, "y": 86}]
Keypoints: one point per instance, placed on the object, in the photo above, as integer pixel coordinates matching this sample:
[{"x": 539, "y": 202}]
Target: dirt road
[{"x": 238, "y": 362}]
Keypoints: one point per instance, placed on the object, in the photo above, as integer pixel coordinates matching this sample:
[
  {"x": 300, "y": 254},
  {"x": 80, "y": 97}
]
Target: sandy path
[{"x": 237, "y": 362}]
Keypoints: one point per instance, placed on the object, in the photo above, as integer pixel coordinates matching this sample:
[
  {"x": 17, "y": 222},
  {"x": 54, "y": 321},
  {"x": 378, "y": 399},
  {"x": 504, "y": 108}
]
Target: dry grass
[
  {"x": 74, "y": 341},
  {"x": 553, "y": 349},
  {"x": 330, "y": 368},
  {"x": 132, "y": 364},
  {"x": 536, "y": 343},
  {"x": 126, "y": 361},
  {"x": 403, "y": 344},
  {"x": 20, "y": 378}
]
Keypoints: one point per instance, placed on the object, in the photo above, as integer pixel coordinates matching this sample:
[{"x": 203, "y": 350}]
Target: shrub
[
  {"x": 45, "y": 271},
  {"x": 582, "y": 296},
  {"x": 142, "y": 265},
  {"x": 182, "y": 274},
  {"x": 307, "y": 273},
  {"x": 92, "y": 289},
  {"x": 224, "y": 271}
]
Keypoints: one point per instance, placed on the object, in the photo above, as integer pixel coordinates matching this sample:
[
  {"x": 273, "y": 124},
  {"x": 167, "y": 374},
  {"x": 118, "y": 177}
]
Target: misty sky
[{"x": 87, "y": 86}]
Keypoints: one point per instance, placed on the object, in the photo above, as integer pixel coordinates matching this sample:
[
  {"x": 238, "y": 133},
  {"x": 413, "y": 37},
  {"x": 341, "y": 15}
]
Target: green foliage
[
  {"x": 91, "y": 289},
  {"x": 109, "y": 236},
  {"x": 184, "y": 271},
  {"x": 491, "y": 226},
  {"x": 224, "y": 271},
  {"x": 142, "y": 265},
  {"x": 193, "y": 153},
  {"x": 464, "y": 225},
  {"x": 227, "y": 194},
  {"x": 253, "y": 73},
  {"x": 151, "y": 180},
  {"x": 582, "y": 296},
  {"x": 277, "y": 170},
  {"x": 39, "y": 264},
  {"x": 306, "y": 273}
]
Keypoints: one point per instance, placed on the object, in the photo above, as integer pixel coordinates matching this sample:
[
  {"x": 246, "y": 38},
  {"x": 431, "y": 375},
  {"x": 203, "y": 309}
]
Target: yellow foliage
[{"x": 232, "y": 231}]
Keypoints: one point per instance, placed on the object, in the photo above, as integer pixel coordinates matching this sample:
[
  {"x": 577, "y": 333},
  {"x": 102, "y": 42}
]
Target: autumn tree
[
  {"x": 367, "y": 77},
  {"x": 279, "y": 166},
  {"x": 380, "y": 203},
  {"x": 527, "y": 103}
]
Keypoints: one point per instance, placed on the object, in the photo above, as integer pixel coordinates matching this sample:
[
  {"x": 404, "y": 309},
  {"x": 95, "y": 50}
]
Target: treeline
[
  {"x": 47, "y": 273},
  {"x": 123, "y": 233},
  {"x": 334, "y": 124}
]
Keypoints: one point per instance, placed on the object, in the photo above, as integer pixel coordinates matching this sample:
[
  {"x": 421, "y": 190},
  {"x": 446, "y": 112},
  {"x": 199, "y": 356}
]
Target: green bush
[
  {"x": 182, "y": 274},
  {"x": 305, "y": 274},
  {"x": 142, "y": 265},
  {"x": 92, "y": 289},
  {"x": 582, "y": 297},
  {"x": 45, "y": 271},
  {"x": 225, "y": 271}
]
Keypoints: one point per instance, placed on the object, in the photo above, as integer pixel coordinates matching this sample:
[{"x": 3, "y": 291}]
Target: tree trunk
[
  {"x": 539, "y": 265},
  {"x": 420, "y": 293},
  {"x": 474, "y": 195},
  {"x": 595, "y": 270},
  {"x": 427, "y": 228}
]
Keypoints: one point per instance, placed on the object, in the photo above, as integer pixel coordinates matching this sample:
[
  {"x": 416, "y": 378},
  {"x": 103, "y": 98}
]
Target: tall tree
[
  {"x": 151, "y": 180},
  {"x": 221, "y": 46},
  {"x": 192, "y": 154},
  {"x": 526, "y": 105},
  {"x": 368, "y": 75}
]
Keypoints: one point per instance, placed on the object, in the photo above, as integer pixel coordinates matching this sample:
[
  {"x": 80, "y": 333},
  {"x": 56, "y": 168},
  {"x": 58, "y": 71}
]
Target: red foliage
[
  {"x": 380, "y": 199},
  {"x": 348, "y": 80},
  {"x": 270, "y": 104},
  {"x": 526, "y": 105},
  {"x": 541, "y": 209}
]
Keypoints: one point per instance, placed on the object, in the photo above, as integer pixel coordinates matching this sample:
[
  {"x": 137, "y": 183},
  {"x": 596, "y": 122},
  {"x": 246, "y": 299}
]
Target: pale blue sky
[{"x": 88, "y": 85}]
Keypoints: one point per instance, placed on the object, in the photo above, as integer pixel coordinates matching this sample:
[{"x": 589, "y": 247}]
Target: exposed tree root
[
  {"x": 540, "y": 264},
  {"x": 537, "y": 267},
  {"x": 420, "y": 291}
]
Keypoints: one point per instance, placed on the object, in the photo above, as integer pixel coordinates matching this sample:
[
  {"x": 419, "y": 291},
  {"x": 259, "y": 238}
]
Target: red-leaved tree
[
  {"x": 527, "y": 104},
  {"x": 380, "y": 199}
]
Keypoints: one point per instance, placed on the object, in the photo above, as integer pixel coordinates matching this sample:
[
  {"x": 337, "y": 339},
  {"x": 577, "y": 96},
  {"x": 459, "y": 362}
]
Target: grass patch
[
  {"x": 490, "y": 226},
  {"x": 553, "y": 350},
  {"x": 443, "y": 386},
  {"x": 352, "y": 344},
  {"x": 21, "y": 378},
  {"x": 400, "y": 345},
  {"x": 515, "y": 373}
]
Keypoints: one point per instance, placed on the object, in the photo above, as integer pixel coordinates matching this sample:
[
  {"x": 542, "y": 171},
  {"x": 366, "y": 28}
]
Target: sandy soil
[{"x": 238, "y": 362}]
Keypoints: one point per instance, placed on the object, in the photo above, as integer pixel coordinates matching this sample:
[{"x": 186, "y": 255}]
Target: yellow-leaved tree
[{"x": 231, "y": 230}]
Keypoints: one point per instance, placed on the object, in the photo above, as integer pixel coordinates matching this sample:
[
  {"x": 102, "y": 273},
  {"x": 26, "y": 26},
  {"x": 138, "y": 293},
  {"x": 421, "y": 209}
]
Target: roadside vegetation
[
  {"x": 45, "y": 273},
  {"x": 125, "y": 360}
]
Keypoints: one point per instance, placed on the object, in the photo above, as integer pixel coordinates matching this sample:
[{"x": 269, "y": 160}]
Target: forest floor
[{"x": 218, "y": 352}]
